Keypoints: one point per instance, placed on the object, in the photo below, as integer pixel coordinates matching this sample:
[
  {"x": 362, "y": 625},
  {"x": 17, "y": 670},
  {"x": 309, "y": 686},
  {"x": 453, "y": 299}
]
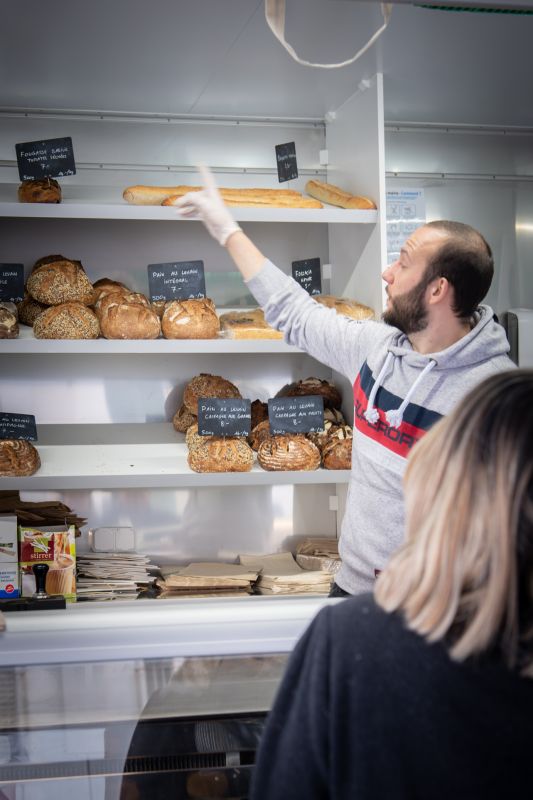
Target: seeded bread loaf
[
  {"x": 60, "y": 282},
  {"x": 29, "y": 309},
  {"x": 218, "y": 454},
  {"x": 67, "y": 321},
  {"x": 183, "y": 419}
]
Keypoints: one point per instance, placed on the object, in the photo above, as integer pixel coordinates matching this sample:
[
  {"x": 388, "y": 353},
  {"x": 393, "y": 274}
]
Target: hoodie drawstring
[
  {"x": 395, "y": 416},
  {"x": 371, "y": 414}
]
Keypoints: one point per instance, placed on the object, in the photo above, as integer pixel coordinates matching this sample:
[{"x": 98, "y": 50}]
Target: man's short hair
[{"x": 465, "y": 260}]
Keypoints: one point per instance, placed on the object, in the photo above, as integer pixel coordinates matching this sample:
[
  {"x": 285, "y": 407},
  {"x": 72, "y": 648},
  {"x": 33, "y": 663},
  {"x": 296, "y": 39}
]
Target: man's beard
[{"x": 407, "y": 311}]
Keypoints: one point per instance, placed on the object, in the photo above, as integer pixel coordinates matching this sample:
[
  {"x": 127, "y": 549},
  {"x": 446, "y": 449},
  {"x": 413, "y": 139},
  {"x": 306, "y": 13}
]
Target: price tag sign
[
  {"x": 179, "y": 280},
  {"x": 48, "y": 158},
  {"x": 223, "y": 416},
  {"x": 307, "y": 274},
  {"x": 12, "y": 282},
  {"x": 296, "y": 414},
  {"x": 18, "y": 426},
  {"x": 286, "y": 161}
]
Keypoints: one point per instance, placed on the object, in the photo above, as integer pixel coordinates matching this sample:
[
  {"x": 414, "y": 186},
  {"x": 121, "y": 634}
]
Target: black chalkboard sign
[
  {"x": 179, "y": 280},
  {"x": 12, "y": 282},
  {"x": 296, "y": 414},
  {"x": 17, "y": 426},
  {"x": 286, "y": 161},
  {"x": 307, "y": 273},
  {"x": 223, "y": 417},
  {"x": 48, "y": 158}
]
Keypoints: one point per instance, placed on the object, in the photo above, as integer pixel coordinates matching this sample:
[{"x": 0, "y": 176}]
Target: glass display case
[{"x": 127, "y": 702}]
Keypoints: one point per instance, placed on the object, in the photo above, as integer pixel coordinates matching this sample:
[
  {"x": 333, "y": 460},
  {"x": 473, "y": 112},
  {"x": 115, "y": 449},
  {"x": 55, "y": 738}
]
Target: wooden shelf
[{"x": 136, "y": 455}]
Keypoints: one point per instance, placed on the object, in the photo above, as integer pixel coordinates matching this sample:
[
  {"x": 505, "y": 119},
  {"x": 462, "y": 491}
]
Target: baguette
[
  {"x": 258, "y": 200},
  {"x": 328, "y": 193},
  {"x": 154, "y": 195}
]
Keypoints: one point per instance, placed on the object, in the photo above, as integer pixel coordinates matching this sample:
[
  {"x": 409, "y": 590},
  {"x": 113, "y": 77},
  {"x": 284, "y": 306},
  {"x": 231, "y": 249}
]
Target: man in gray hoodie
[{"x": 437, "y": 343}]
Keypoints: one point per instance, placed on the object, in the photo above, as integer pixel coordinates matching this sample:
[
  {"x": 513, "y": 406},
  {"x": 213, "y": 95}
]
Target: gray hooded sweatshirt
[{"x": 398, "y": 394}]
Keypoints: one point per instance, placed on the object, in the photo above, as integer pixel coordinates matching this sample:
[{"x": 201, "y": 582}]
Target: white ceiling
[{"x": 219, "y": 57}]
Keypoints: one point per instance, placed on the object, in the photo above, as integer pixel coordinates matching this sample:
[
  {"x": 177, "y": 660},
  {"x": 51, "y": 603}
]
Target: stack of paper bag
[
  {"x": 280, "y": 574},
  {"x": 319, "y": 553},
  {"x": 207, "y": 579},
  {"x": 112, "y": 576}
]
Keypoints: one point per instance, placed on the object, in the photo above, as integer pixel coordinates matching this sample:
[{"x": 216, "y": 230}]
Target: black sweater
[{"x": 368, "y": 710}]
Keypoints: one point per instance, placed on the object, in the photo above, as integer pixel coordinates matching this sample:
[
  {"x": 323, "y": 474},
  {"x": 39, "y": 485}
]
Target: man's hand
[{"x": 208, "y": 206}]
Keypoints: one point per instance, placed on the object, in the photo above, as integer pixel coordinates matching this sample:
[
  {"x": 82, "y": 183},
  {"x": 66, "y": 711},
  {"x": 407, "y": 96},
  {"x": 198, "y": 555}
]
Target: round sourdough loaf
[
  {"x": 345, "y": 306},
  {"x": 50, "y": 260},
  {"x": 18, "y": 458},
  {"x": 105, "y": 286},
  {"x": 128, "y": 320},
  {"x": 39, "y": 191},
  {"x": 183, "y": 419},
  {"x": 218, "y": 454},
  {"x": 206, "y": 385},
  {"x": 67, "y": 321},
  {"x": 9, "y": 327},
  {"x": 337, "y": 453},
  {"x": 288, "y": 452},
  {"x": 259, "y": 434},
  {"x": 29, "y": 309},
  {"x": 60, "y": 282},
  {"x": 190, "y": 319},
  {"x": 119, "y": 297},
  {"x": 313, "y": 386}
]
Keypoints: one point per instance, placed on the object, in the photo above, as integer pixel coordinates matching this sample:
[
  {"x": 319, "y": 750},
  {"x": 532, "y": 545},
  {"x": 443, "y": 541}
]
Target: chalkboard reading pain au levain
[
  {"x": 286, "y": 162},
  {"x": 219, "y": 416},
  {"x": 47, "y": 158},
  {"x": 296, "y": 414},
  {"x": 12, "y": 282},
  {"x": 307, "y": 274},
  {"x": 17, "y": 426},
  {"x": 178, "y": 280}
]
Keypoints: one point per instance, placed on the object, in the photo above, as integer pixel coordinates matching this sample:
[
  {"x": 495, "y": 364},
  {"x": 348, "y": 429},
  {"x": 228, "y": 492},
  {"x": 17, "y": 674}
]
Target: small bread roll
[
  {"x": 29, "y": 309},
  {"x": 313, "y": 386},
  {"x": 288, "y": 452},
  {"x": 18, "y": 458},
  {"x": 9, "y": 327},
  {"x": 190, "y": 319},
  {"x": 206, "y": 385},
  {"x": 219, "y": 454},
  {"x": 345, "y": 306},
  {"x": 67, "y": 321},
  {"x": 60, "y": 282},
  {"x": 183, "y": 419},
  {"x": 129, "y": 321},
  {"x": 39, "y": 191}
]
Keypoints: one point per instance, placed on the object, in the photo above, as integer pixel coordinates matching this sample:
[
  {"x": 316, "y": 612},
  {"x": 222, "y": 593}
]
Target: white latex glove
[{"x": 208, "y": 206}]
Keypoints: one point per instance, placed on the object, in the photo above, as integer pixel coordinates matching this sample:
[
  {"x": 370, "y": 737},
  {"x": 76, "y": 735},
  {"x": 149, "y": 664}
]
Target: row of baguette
[
  {"x": 330, "y": 448},
  {"x": 62, "y": 303},
  {"x": 48, "y": 190}
]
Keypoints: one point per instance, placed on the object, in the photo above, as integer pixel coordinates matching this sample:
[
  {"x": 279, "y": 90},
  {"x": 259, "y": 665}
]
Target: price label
[
  {"x": 307, "y": 274},
  {"x": 18, "y": 426},
  {"x": 176, "y": 280},
  {"x": 286, "y": 162},
  {"x": 296, "y": 414},
  {"x": 223, "y": 417},
  {"x": 48, "y": 158},
  {"x": 12, "y": 282}
]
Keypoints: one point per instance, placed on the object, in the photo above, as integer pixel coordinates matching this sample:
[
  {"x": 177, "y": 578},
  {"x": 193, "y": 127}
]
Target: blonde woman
[{"x": 424, "y": 690}]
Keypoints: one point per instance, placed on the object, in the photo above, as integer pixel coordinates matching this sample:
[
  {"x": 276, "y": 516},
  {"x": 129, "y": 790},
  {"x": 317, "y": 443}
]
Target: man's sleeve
[
  {"x": 294, "y": 751},
  {"x": 331, "y": 338}
]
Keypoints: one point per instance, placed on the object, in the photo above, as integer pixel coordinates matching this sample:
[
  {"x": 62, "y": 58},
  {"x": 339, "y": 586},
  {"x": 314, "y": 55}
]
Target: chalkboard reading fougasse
[
  {"x": 296, "y": 414},
  {"x": 18, "y": 426},
  {"x": 179, "y": 280},
  {"x": 307, "y": 273},
  {"x": 12, "y": 282},
  {"x": 219, "y": 416},
  {"x": 286, "y": 161},
  {"x": 48, "y": 158}
]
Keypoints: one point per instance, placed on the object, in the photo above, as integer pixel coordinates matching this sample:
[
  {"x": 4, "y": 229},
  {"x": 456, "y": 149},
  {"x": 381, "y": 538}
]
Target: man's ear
[{"x": 438, "y": 290}]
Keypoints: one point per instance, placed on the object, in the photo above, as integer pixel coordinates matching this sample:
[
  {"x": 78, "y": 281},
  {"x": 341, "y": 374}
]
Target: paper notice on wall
[{"x": 406, "y": 211}]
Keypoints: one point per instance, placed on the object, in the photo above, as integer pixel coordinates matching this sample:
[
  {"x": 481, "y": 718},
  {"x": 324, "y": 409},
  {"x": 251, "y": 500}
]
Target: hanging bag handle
[{"x": 275, "y": 16}]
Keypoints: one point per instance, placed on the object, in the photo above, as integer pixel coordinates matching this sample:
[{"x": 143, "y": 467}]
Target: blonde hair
[{"x": 465, "y": 572}]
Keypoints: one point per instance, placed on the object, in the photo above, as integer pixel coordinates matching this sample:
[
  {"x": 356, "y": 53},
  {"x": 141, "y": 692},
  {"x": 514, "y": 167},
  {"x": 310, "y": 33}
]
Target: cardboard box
[
  {"x": 52, "y": 545},
  {"x": 9, "y": 573}
]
